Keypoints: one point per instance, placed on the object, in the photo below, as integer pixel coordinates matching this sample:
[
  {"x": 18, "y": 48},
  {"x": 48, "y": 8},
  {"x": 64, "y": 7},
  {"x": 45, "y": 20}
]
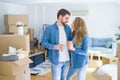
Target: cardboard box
[
  {"x": 23, "y": 76},
  {"x": 118, "y": 70},
  {"x": 12, "y": 68},
  {"x": 109, "y": 60},
  {"x": 13, "y": 29},
  {"x": 101, "y": 76},
  {"x": 106, "y": 72},
  {"x": 31, "y": 33},
  {"x": 118, "y": 50},
  {"x": 19, "y": 69},
  {"x": 8, "y": 33},
  {"x": 11, "y": 19},
  {"x": 95, "y": 63},
  {"x": 16, "y": 41}
]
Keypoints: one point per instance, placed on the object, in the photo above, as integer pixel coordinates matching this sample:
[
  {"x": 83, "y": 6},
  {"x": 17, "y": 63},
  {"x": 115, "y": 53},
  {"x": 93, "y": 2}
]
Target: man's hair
[{"x": 62, "y": 12}]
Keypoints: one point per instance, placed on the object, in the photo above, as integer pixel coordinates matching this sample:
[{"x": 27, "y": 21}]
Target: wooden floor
[{"x": 48, "y": 77}]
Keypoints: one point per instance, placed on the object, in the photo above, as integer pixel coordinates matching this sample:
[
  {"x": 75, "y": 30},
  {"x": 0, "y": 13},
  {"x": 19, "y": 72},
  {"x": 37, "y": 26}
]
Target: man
[{"x": 55, "y": 39}]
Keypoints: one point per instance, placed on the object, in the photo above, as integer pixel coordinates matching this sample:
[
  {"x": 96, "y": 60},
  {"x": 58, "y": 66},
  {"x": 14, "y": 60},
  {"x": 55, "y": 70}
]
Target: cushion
[
  {"x": 100, "y": 42},
  {"x": 12, "y": 50},
  {"x": 108, "y": 44}
]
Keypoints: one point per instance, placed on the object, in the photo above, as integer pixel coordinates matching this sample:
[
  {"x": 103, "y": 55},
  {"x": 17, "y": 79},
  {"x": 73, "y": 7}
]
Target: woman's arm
[{"x": 84, "y": 49}]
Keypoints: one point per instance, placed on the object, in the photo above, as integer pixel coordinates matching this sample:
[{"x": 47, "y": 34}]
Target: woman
[{"x": 79, "y": 48}]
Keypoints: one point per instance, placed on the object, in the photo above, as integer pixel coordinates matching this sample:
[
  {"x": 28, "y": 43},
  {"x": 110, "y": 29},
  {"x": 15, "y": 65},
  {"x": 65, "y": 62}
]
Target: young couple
[{"x": 67, "y": 48}]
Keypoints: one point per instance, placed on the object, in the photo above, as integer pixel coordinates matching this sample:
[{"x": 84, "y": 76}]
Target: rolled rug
[{"x": 9, "y": 58}]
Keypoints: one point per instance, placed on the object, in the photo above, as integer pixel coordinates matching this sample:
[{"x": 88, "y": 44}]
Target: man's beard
[{"x": 63, "y": 23}]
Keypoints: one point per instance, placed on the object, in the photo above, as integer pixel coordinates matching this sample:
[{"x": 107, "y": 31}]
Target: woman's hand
[{"x": 70, "y": 46}]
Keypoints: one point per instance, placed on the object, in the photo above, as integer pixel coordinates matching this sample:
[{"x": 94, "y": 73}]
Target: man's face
[{"x": 64, "y": 19}]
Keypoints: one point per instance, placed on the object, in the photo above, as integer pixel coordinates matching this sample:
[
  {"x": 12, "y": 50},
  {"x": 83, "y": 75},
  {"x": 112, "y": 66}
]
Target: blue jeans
[
  {"x": 80, "y": 73},
  {"x": 60, "y": 71}
]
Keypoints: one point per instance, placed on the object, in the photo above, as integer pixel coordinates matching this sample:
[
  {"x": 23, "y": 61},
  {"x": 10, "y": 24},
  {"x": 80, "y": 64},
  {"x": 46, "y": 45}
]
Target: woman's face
[{"x": 72, "y": 26}]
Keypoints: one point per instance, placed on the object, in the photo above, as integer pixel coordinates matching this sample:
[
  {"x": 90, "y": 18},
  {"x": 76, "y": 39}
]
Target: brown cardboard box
[
  {"x": 119, "y": 70},
  {"x": 106, "y": 72},
  {"x": 15, "y": 70},
  {"x": 108, "y": 60},
  {"x": 11, "y": 19},
  {"x": 16, "y": 41},
  {"x": 23, "y": 76},
  {"x": 8, "y": 33},
  {"x": 118, "y": 50},
  {"x": 101, "y": 76},
  {"x": 31, "y": 33},
  {"x": 25, "y": 30},
  {"x": 12, "y": 68},
  {"x": 13, "y": 29},
  {"x": 95, "y": 63}
]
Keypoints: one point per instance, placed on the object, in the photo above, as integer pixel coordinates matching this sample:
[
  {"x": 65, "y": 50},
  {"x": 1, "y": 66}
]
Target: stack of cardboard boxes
[
  {"x": 10, "y": 21},
  {"x": 19, "y": 69}
]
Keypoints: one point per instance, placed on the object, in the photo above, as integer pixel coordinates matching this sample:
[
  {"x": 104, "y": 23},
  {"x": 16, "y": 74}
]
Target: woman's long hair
[{"x": 79, "y": 30}]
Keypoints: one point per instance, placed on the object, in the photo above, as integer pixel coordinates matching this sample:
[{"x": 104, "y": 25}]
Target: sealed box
[
  {"x": 13, "y": 29},
  {"x": 22, "y": 76},
  {"x": 11, "y": 19}
]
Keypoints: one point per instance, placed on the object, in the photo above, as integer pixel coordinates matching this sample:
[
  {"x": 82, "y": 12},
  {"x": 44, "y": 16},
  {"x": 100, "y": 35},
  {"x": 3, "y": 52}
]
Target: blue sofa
[{"x": 104, "y": 45}]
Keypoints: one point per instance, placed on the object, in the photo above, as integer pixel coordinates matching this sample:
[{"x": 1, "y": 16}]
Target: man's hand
[{"x": 58, "y": 46}]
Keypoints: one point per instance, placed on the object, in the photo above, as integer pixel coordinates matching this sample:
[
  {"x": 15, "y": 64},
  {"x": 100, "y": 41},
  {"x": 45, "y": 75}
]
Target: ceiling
[{"x": 58, "y": 1}]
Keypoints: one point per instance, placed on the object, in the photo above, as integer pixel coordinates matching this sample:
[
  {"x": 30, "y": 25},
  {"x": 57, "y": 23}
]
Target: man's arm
[{"x": 45, "y": 40}]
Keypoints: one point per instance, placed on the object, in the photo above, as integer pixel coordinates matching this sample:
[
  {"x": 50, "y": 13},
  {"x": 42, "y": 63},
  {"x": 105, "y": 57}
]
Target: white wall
[
  {"x": 35, "y": 19},
  {"x": 7, "y": 8},
  {"x": 102, "y": 20}
]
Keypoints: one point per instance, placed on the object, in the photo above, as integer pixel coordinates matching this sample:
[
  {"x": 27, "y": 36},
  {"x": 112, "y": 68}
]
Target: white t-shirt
[{"x": 64, "y": 54}]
